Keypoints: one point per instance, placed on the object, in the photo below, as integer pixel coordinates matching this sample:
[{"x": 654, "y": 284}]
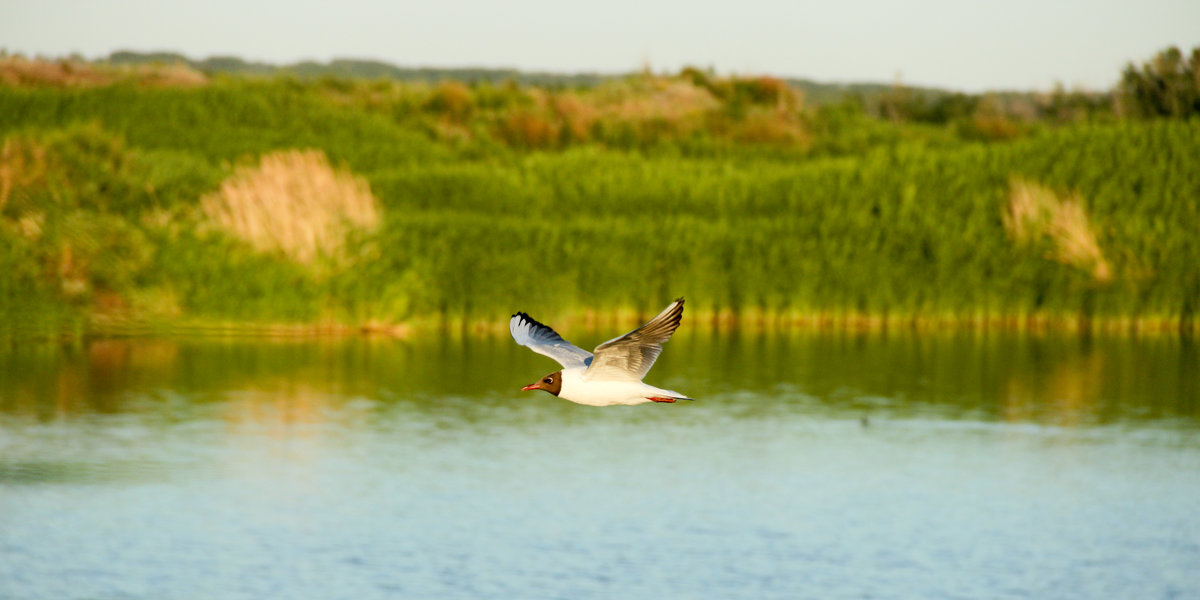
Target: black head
[{"x": 551, "y": 383}]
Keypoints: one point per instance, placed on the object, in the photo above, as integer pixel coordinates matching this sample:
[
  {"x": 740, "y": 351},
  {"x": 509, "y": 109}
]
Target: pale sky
[{"x": 959, "y": 44}]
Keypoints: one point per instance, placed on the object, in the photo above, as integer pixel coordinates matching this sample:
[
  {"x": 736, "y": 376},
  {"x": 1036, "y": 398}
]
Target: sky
[{"x": 963, "y": 45}]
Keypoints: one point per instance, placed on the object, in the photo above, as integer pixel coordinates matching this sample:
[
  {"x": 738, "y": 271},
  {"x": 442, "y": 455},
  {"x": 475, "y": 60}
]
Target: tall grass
[
  {"x": 225, "y": 122},
  {"x": 108, "y": 216},
  {"x": 293, "y": 202},
  {"x": 906, "y": 233},
  {"x": 1035, "y": 212}
]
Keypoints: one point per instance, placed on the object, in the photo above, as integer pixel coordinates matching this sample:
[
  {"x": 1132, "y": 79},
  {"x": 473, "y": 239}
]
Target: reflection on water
[
  {"x": 812, "y": 465},
  {"x": 1006, "y": 377}
]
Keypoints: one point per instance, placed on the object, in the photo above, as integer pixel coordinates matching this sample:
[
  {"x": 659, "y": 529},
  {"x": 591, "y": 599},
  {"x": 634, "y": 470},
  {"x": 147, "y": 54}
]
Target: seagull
[{"x": 611, "y": 376}]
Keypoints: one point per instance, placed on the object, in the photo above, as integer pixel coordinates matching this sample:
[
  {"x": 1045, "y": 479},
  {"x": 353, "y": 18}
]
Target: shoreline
[{"x": 107, "y": 327}]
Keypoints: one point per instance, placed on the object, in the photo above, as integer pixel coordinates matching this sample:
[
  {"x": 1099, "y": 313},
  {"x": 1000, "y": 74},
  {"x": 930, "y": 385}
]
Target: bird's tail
[{"x": 673, "y": 396}]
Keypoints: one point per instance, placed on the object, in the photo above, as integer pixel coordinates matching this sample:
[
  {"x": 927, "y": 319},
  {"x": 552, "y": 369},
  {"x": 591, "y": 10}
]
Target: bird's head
[{"x": 551, "y": 383}]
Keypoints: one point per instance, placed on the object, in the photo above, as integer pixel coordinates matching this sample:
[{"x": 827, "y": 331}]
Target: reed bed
[{"x": 917, "y": 234}]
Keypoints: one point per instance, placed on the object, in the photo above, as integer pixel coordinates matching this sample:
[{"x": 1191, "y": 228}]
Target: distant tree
[
  {"x": 698, "y": 77},
  {"x": 123, "y": 57},
  {"x": 947, "y": 108},
  {"x": 451, "y": 99},
  {"x": 1166, "y": 86},
  {"x": 1070, "y": 106}
]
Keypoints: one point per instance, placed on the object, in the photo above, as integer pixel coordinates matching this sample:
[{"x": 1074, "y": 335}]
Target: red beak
[{"x": 532, "y": 386}]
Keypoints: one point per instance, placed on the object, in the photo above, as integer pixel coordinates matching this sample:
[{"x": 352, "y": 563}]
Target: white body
[
  {"x": 578, "y": 388},
  {"x": 613, "y": 373}
]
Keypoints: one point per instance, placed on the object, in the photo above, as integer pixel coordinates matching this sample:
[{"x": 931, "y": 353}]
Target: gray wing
[
  {"x": 545, "y": 341},
  {"x": 631, "y": 355}
]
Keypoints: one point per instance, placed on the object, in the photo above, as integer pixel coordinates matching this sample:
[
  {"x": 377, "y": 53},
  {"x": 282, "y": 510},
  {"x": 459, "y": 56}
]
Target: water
[{"x": 812, "y": 466}]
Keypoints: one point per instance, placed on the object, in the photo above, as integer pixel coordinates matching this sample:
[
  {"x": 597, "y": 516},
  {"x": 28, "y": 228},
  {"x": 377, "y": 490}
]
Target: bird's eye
[{"x": 548, "y": 380}]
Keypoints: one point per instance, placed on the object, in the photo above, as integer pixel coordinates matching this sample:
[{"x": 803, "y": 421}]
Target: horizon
[
  {"x": 472, "y": 67},
  {"x": 1015, "y": 46}
]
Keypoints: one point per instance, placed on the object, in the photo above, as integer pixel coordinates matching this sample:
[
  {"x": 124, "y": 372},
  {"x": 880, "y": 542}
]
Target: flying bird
[{"x": 613, "y": 374}]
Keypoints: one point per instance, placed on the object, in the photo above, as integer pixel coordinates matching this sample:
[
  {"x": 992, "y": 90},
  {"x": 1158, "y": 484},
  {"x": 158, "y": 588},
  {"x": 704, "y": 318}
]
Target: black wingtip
[{"x": 525, "y": 317}]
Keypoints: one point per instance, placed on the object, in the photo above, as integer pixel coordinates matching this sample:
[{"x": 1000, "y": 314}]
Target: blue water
[{"x": 812, "y": 466}]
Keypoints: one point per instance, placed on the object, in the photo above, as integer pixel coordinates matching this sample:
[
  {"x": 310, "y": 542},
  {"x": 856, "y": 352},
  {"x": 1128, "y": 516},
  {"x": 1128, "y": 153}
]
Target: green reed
[{"x": 473, "y": 230}]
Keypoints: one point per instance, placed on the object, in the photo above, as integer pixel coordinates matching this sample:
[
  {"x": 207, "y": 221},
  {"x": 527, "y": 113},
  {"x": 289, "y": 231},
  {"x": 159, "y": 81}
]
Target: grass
[
  {"x": 295, "y": 203},
  {"x": 1035, "y": 212},
  {"x": 352, "y": 205}
]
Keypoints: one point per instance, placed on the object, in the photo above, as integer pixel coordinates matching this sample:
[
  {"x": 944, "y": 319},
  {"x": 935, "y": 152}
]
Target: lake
[{"x": 812, "y": 465}]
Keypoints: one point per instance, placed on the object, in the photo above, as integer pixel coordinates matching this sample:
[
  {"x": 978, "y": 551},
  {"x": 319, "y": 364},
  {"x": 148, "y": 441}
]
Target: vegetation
[
  {"x": 128, "y": 199},
  {"x": 1167, "y": 86},
  {"x": 294, "y": 203},
  {"x": 370, "y": 69}
]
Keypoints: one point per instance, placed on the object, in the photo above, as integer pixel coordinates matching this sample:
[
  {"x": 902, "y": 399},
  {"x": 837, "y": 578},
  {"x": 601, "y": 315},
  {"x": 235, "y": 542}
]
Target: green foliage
[
  {"x": 610, "y": 202},
  {"x": 69, "y": 214},
  {"x": 906, "y": 232},
  {"x": 223, "y": 122},
  {"x": 1166, "y": 86}
]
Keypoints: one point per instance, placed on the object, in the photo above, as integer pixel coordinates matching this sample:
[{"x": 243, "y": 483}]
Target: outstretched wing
[
  {"x": 631, "y": 355},
  {"x": 543, "y": 340}
]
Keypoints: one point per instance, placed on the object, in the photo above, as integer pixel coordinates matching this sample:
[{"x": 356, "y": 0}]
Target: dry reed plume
[
  {"x": 294, "y": 202},
  {"x": 1035, "y": 213}
]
